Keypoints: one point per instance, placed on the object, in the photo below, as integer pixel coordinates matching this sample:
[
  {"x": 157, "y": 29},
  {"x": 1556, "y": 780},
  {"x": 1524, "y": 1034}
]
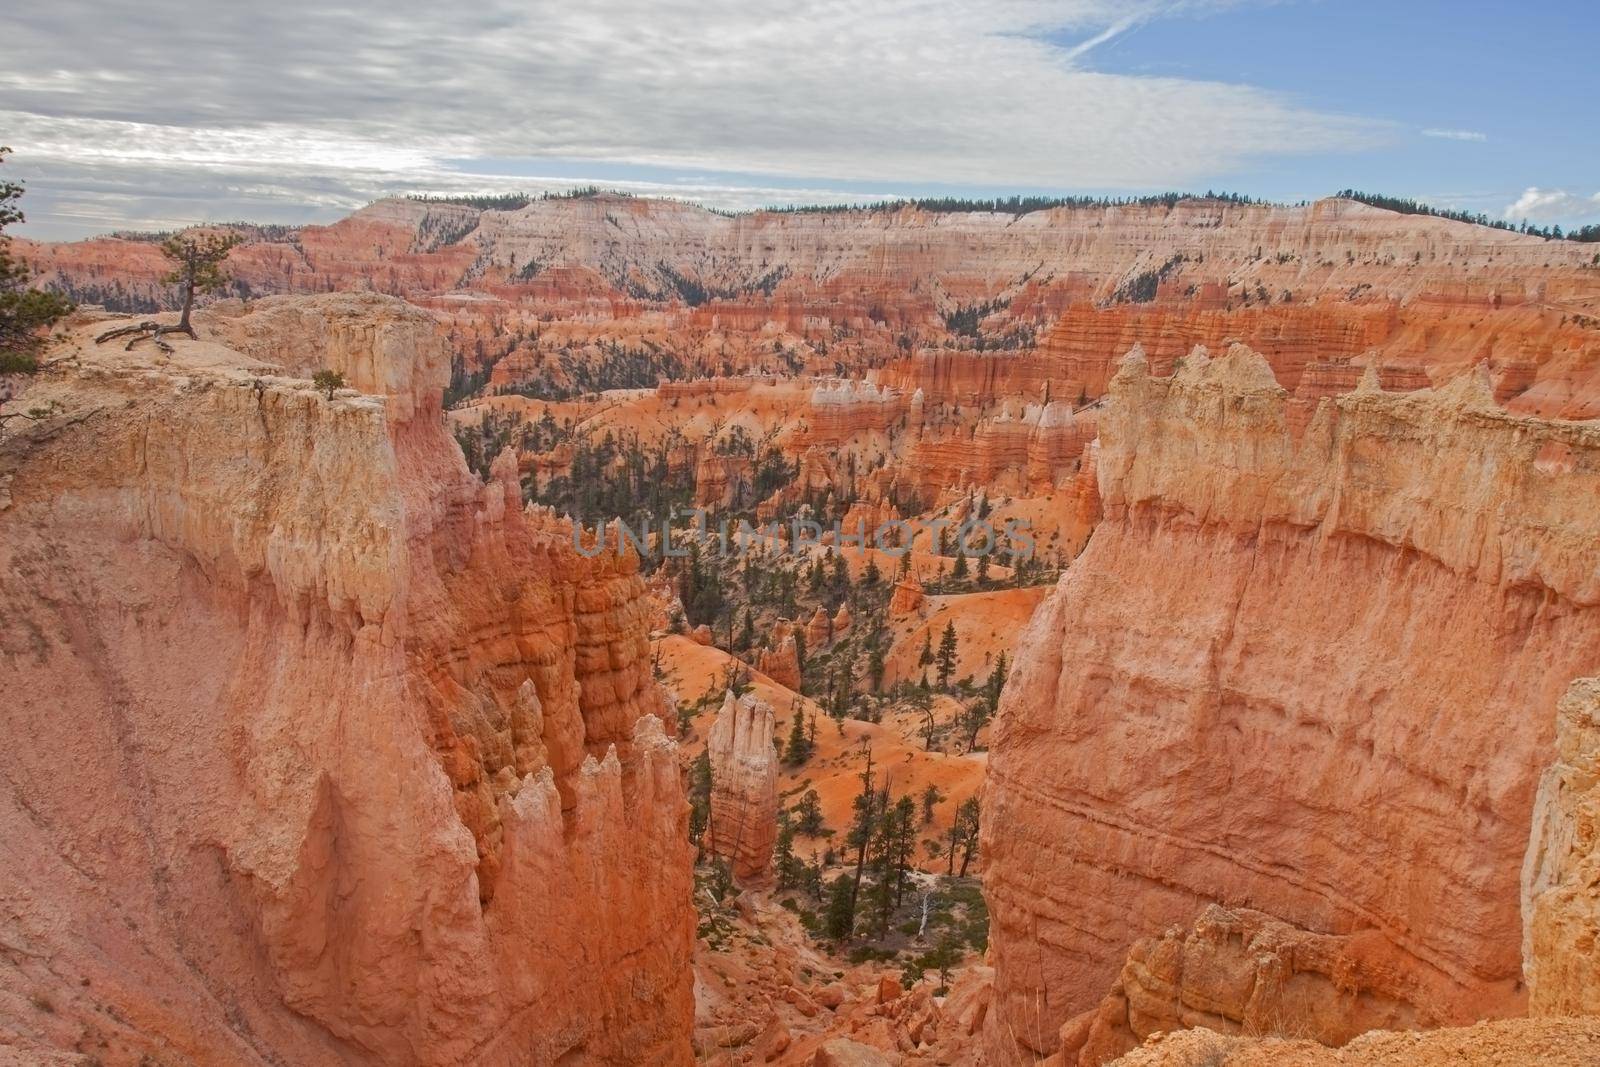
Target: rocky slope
[
  {"x": 1296, "y": 670},
  {"x": 317, "y": 749}
]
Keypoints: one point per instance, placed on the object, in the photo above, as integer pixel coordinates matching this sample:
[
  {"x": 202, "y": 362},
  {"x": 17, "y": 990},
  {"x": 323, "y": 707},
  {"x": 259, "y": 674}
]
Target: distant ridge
[{"x": 1020, "y": 205}]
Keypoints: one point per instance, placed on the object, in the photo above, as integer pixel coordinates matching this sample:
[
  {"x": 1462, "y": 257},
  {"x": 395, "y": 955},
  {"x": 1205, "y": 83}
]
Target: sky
[{"x": 155, "y": 114}]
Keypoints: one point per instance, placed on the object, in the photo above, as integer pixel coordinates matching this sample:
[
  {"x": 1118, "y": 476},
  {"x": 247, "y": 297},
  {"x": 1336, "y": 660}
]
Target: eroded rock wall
[
  {"x": 1296, "y": 670},
  {"x": 318, "y": 750},
  {"x": 1561, "y": 876}
]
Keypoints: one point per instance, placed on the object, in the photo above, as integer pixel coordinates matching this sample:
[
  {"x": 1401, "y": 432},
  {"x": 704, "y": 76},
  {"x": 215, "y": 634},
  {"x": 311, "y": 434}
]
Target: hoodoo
[{"x": 744, "y": 787}]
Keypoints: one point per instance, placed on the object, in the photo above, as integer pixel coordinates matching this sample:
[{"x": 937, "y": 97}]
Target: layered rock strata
[
  {"x": 1293, "y": 671},
  {"x": 318, "y": 749}
]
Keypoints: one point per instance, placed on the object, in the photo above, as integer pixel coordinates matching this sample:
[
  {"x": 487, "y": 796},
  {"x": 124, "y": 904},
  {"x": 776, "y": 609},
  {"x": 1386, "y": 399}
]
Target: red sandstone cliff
[
  {"x": 1240, "y": 971},
  {"x": 317, "y": 749},
  {"x": 1297, "y": 669}
]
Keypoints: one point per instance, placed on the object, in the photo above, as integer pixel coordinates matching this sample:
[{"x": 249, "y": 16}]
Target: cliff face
[
  {"x": 1561, "y": 876},
  {"x": 1293, "y": 671},
  {"x": 744, "y": 787},
  {"x": 1239, "y": 971},
  {"x": 318, "y": 749}
]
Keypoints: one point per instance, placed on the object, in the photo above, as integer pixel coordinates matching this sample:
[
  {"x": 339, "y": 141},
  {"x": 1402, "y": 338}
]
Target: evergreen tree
[
  {"x": 944, "y": 956},
  {"x": 735, "y": 679},
  {"x": 197, "y": 266},
  {"x": 988, "y": 702},
  {"x": 876, "y": 665},
  {"x": 747, "y": 633},
  {"x": 864, "y": 825},
  {"x": 871, "y": 575},
  {"x": 930, "y": 799},
  {"x": 902, "y": 842},
  {"x": 959, "y": 570},
  {"x": 967, "y": 821},
  {"x": 839, "y": 917},
  {"x": 947, "y": 654},
  {"x": 808, "y": 813},
  {"x": 24, "y": 312},
  {"x": 699, "y": 800},
  {"x": 784, "y": 862},
  {"x": 838, "y": 581},
  {"x": 926, "y": 658},
  {"x": 798, "y": 749}
]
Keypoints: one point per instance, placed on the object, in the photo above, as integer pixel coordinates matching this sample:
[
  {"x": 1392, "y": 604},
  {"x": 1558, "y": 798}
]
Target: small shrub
[{"x": 327, "y": 382}]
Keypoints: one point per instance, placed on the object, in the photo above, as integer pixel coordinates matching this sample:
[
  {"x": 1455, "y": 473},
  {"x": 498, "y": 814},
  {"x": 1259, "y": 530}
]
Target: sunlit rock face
[
  {"x": 1561, "y": 877},
  {"x": 1298, "y": 669},
  {"x": 319, "y": 749}
]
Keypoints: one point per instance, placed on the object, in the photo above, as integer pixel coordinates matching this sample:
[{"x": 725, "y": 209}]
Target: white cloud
[
  {"x": 1553, "y": 205},
  {"x": 1456, "y": 135},
  {"x": 895, "y": 91}
]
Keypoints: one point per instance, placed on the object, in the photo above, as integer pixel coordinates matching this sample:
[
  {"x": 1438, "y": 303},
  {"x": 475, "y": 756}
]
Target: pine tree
[
  {"x": 839, "y": 917},
  {"x": 784, "y": 863},
  {"x": 699, "y": 800},
  {"x": 903, "y": 841},
  {"x": 24, "y": 313},
  {"x": 982, "y": 711},
  {"x": 959, "y": 569},
  {"x": 808, "y": 813},
  {"x": 926, "y": 658},
  {"x": 871, "y": 575},
  {"x": 930, "y": 799},
  {"x": 864, "y": 825},
  {"x": 196, "y": 260},
  {"x": 735, "y": 679},
  {"x": 947, "y": 654},
  {"x": 876, "y": 665},
  {"x": 798, "y": 749},
  {"x": 747, "y": 633},
  {"x": 967, "y": 821}
]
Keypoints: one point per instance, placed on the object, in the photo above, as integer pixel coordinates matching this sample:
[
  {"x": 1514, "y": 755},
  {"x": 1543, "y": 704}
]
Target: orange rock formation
[
  {"x": 782, "y": 662},
  {"x": 1209, "y": 707},
  {"x": 321, "y": 750},
  {"x": 907, "y": 598},
  {"x": 744, "y": 787}
]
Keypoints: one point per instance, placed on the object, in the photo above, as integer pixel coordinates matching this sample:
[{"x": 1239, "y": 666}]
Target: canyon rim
[{"x": 477, "y": 614}]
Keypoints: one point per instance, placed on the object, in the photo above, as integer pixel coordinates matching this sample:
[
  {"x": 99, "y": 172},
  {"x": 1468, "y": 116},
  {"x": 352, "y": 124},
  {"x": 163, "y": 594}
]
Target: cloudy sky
[{"x": 159, "y": 113}]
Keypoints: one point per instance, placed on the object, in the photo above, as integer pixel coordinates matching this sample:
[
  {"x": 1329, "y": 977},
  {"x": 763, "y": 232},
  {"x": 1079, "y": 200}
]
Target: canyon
[{"x": 331, "y": 742}]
